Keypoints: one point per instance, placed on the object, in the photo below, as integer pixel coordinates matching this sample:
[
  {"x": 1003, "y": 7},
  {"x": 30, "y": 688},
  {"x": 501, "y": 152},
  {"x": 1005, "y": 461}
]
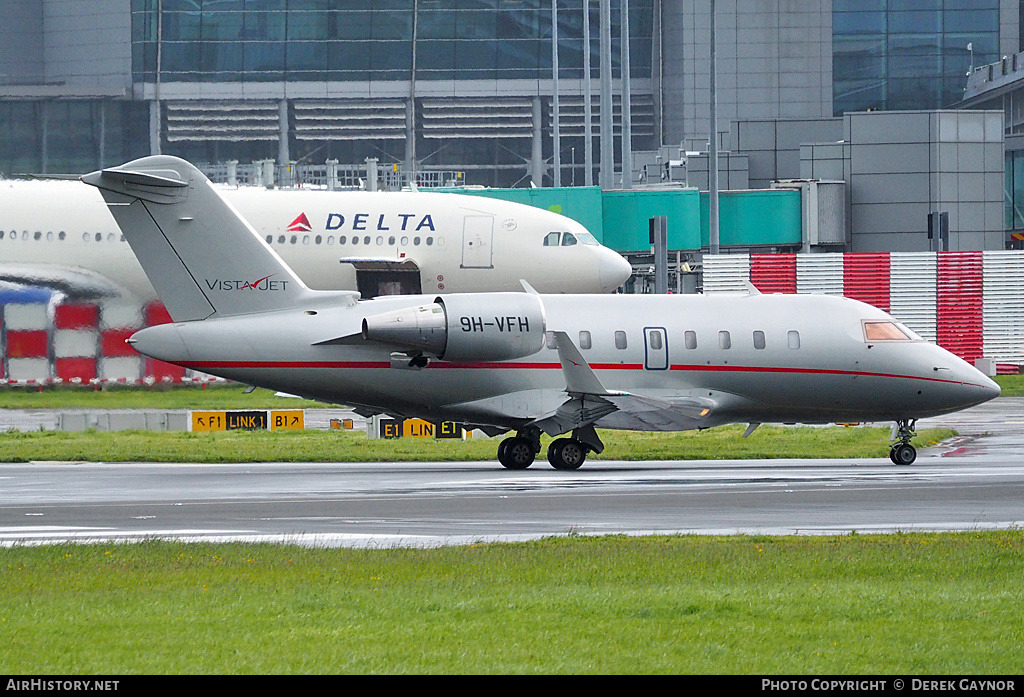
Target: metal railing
[{"x": 330, "y": 176}]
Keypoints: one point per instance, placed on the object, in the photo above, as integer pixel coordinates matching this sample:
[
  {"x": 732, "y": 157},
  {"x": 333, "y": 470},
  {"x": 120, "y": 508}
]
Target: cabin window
[
  {"x": 355, "y": 240},
  {"x": 391, "y": 240},
  {"x": 342, "y": 239},
  {"x": 568, "y": 239},
  {"x": 1, "y": 234},
  {"x": 415, "y": 241},
  {"x": 99, "y": 236},
  {"x": 551, "y": 239},
  {"x": 620, "y": 340},
  {"x": 759, "y": 342},
  {"x": 430, "y": 241},
  {"x": 319, "y": 239},
  {"x": 24, "y": 236},
  {"x": 330, "y": 240},
  {"x": 380, "y": 240},
  {"x": 49, "y": 237},
  {"x": 440, "y": 241},
  {"x": 37, "y": 236},
  {"x": 549, "y": 340},
  {"x": 585, "y": 342},
  {"x": 724, "y": 340},
  {"x": 793, "y": 338},
  {"x": 305, "y": 239},
  {"x": 270, "y": 238},
  {"x": 366, "y": 240},
  {"x": 884, "y": 331},
  {"x": 405, "y": 241},
  {"x": 62, "y": 235},
  {"x": 280, "y": 239},
  {"x": 654, "y": 337},
  {"x": 690, "y": 339}
]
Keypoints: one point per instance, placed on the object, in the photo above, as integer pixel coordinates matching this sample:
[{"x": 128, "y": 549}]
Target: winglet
[
  {"x": 579, "y": 376},
  {"x": 527, "y": 287}
]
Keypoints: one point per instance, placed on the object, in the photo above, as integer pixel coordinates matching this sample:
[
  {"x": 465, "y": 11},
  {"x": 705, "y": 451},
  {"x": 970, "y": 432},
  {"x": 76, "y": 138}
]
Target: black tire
[
  {"x": 516, "y": 453},
  {"x": 904, "y": 454},
  {"x": 567, "y": 454}
]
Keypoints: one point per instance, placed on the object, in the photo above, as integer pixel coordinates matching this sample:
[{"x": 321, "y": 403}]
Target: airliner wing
[
  {"x": 380, "y": 263},
  {"x": 76, "y": 283}
]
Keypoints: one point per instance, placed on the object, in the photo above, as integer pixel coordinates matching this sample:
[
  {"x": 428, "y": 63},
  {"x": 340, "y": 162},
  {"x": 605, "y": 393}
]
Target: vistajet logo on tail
[{"x": 260, "y": 284}]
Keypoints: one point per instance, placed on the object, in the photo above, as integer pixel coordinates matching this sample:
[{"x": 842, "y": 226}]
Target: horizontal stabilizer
[{"x": 200, "y": 255}]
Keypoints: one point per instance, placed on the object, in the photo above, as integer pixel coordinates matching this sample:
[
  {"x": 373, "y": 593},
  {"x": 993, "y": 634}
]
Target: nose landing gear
[{"x": 902, "y": 452}]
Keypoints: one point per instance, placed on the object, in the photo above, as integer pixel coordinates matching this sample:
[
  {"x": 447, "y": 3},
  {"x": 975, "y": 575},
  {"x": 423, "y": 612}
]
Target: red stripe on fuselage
[{"x": 376, "y": 365}]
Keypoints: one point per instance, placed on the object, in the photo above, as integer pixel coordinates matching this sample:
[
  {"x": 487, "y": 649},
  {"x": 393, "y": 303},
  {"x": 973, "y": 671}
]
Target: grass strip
[
  {"x": 922, "y": 604},
  {"x": 348, "y": 446},
  {"x": 201, "y": 397}
]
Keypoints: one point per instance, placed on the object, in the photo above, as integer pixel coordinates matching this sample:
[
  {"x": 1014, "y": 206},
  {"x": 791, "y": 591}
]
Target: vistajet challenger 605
[{"x": 523, "y": 362}]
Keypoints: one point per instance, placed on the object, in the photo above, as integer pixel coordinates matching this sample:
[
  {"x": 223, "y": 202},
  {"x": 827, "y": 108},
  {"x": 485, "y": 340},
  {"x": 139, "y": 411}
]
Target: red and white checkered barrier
[
  {"x": 971, "y": 303},
  {"x": 44, "y": 341}
]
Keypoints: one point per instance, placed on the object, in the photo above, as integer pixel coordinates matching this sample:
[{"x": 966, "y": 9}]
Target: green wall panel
[{"x": 619, "y": 219}]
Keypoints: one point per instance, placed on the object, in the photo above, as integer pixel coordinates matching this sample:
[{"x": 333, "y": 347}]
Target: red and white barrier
[
  {"x": 971, "y": 303},
  {"x": 48, "y": 343}
]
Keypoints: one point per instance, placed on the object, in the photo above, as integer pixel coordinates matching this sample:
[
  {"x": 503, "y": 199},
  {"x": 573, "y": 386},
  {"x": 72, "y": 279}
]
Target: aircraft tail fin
[{"x": 200, "y": 255}]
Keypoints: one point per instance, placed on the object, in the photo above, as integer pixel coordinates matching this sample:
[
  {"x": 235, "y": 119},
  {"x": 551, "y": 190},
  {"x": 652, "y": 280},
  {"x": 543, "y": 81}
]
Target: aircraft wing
[
  {"x": 76, "y": 283},
  {"x": 380, "y": 263},
  {"x": 590, "y": 402}
]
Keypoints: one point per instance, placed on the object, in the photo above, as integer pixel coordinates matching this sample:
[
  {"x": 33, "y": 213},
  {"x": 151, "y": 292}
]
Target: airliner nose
[{"x": 613, "y": 270}]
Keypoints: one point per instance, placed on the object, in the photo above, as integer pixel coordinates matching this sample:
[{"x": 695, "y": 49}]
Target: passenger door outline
[
  {"x": 655, "y": 358},
  {"x": 477, "y": 235}
]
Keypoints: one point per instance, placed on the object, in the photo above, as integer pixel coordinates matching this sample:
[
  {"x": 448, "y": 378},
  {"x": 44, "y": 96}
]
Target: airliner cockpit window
[
  {"x": 884, "y": 331},
  {"x": 587, "y": 238},
  {"x": 568, "y": 239},
  {"x": 551, "y": 239}
]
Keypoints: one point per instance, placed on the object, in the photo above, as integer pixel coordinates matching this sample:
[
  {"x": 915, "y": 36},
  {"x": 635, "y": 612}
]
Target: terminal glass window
[
  {"x": 908, "y": 55},
  {"x": 259, "y": 40}
]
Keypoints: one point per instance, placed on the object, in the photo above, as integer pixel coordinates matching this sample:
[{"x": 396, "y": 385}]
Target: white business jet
[{"x": 524, "y": 362}]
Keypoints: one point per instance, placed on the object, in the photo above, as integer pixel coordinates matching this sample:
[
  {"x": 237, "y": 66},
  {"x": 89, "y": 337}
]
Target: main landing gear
[
  {"x": 902, "y": 452},
  {"x": 519, "y": 451}
]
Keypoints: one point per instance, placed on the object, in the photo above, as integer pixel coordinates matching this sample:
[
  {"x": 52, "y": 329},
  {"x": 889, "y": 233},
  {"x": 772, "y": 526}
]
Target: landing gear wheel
[
  {"x": 516, "y": 453},
  {"x": 567, "y": 454},
  {"x": 903, "y": 454}
]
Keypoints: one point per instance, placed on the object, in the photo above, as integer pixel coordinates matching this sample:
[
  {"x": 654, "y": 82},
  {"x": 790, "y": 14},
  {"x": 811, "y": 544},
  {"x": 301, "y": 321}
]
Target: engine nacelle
[{"x": 465, "y": 327}]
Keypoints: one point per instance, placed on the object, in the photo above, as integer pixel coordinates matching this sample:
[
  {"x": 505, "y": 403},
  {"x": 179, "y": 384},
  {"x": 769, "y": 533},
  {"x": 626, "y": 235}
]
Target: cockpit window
[
  {"x": 884, "y": 331},
  {"x": 587, "y": 238},
  {"x": 568, "y": 239},
  {"x": 551, "y": 239}
]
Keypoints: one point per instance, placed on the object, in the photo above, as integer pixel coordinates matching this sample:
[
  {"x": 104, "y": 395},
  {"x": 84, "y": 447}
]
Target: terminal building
[
  {"x": 864, "y": 143},
  {"x": 463, "y": 92}
]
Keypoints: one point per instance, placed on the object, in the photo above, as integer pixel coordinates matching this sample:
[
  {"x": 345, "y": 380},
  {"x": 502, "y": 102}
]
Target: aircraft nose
[
  {"x": 976, "y": 387},
  {"x": 990, "y": 388},
  {"x": 613, "y": 270}
]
